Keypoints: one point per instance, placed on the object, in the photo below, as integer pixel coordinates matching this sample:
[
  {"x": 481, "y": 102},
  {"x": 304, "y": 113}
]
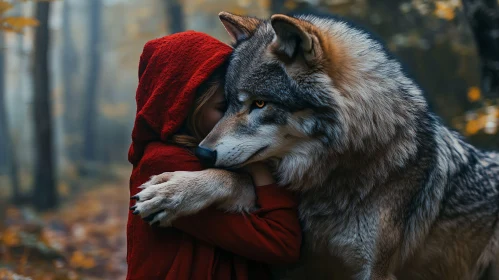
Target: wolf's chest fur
[
  {"x": 449, "y": 206},
  {"x": 339, "y": 228}
]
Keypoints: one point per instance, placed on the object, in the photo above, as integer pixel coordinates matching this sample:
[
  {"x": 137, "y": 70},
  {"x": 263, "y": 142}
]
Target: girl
[{"x": 179, "y": 100}]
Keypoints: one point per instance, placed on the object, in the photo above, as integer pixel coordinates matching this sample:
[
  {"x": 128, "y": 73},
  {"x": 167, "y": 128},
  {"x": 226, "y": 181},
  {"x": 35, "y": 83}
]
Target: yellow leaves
[
  {"x": 238, "y": 11},
  {"x": 444, "y": 10},
  {"x": 10, "y": 237},
  {"x": 5, "y": 274},
  {"x": 290, "y": 4},
  {"x": 485, "y": 119},
  {"x": 264, "y": 4},
  {"x": 474, "y": 94},
  {"x": 14, "y": 23},
  {"x": 84, "y": 239},
  {"x": 472, "y": 127},
  {"x": 20, "y": 22},
  {"x": 5, "y": 6},
  {"x": 79, "y": 260}
]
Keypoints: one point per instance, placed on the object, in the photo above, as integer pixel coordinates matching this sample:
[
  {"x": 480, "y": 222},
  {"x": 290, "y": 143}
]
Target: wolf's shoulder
[
  {"x": 475, "y": 185},
  {"x": 493, "y": 156},
  {"x": 491, "y": 165}
]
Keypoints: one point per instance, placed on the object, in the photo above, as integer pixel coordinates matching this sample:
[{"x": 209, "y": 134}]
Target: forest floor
[{"x": 83, "y": 239}]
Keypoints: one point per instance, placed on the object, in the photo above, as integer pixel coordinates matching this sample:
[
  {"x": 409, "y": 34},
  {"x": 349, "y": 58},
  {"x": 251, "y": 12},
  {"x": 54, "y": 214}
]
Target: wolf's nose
[{"x": 207, "y": 156}]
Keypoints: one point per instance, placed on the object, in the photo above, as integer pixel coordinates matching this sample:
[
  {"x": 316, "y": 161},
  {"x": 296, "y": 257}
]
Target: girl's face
[{"x": 212, "y": 111}]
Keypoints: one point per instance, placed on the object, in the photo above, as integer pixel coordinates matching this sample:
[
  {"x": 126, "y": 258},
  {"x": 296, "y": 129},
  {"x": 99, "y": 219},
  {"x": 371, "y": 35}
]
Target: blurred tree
[
  {"x": 277, "y": 6},
  {"x": 8, "y": 159},
  {"x": 295, "y": 7},
  {"x": 174, "y": 16},
  {"x": 90, "y": 111},
  {"x": 69, "y": 66},
  {"x": 3, "y": 114},
  {"x": 44, "y": 189},
  {"x": 483, "y": 16}
]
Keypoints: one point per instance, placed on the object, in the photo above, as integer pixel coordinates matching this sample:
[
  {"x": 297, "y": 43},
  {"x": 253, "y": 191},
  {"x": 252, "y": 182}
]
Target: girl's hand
[{"x": 260, "y": 173}]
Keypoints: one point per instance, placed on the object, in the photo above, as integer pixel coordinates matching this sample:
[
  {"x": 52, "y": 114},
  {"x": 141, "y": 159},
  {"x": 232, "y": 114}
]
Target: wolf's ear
[
  {"x": 294, "y": 35},
  {"x": 239, "y": 27}
]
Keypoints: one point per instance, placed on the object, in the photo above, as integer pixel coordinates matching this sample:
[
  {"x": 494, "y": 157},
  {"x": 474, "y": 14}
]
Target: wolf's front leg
[{"x": 173, "y": 194}]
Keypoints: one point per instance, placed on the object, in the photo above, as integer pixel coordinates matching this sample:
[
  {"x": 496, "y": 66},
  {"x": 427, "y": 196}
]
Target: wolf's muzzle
[{"x": 207, "y": 156}]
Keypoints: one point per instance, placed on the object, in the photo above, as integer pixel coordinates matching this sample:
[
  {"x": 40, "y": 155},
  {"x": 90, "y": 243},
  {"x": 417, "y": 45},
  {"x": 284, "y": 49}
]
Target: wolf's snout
[{"x": 207, "y": 156}]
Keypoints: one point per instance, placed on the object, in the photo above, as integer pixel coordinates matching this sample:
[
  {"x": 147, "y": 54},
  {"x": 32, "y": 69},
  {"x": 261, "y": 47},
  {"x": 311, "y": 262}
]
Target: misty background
[{"x": 67, "y": 106}]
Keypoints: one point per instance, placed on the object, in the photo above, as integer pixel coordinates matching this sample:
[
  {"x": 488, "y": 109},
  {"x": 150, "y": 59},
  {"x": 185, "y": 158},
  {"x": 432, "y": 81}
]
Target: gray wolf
[{"x": 387, "y": 191}]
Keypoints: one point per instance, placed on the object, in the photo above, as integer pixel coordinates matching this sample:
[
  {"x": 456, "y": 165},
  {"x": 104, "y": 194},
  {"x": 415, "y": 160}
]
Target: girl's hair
[{"x": 189, "y": 135}]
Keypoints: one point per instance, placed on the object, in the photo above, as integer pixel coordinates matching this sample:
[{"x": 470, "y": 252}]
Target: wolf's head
[{"x": 308, "y": 91}]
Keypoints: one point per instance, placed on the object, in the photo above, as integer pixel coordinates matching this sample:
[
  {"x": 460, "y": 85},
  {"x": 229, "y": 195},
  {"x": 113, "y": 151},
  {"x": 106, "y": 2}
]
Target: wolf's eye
[{"x": 259, "y": 103}]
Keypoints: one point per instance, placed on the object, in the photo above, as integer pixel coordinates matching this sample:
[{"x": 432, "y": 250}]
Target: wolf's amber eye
[{"x": 260, "y": 103}]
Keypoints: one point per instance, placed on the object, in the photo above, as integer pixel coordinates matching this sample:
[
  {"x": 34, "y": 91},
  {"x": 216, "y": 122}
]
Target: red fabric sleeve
[{"x": 272, "y": 234}]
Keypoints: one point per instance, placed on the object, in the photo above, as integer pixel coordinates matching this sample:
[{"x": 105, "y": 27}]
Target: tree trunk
[
  {"x": 4, "y": 131},
  {"x": 44, "y": 190},
  {"x": 90, "y": 111},
  {"x": 483, "y": 16},
  {"x": 71, "y": 120},
  {"x": 174, "y": 16},
  {"x": 8, "y": 159}
]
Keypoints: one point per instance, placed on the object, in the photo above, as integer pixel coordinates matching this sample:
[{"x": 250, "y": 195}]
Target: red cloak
[{"x": 211, "y": 244}]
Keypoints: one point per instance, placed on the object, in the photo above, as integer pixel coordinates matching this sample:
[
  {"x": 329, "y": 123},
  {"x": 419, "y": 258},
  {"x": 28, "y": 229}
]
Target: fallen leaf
[
  {"x": 444, "y": 10},
  {"x": 474, "y": 94},
  {"x": 20, "y": 22},
  {"x": 10, "y": 237}
]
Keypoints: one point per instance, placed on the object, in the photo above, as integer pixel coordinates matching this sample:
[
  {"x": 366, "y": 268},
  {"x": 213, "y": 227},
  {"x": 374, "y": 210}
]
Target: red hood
[{"x": 171, "y": 68}]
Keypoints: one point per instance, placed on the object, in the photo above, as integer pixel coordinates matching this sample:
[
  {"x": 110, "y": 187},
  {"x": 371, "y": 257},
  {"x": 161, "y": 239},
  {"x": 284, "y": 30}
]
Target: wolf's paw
[
  {"x": 157, "y": 179},
  {"x": 168, "y": 196}
]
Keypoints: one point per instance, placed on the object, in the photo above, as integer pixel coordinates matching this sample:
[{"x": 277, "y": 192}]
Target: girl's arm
[{"x": 270, "y": 234}]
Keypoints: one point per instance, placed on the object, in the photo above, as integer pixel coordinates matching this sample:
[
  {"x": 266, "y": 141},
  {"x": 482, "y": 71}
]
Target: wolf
[{"x": 386, "y": 190}]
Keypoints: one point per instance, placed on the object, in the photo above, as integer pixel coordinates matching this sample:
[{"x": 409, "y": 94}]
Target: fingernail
[
  {"x": 136, "y": 197},
  {"x": 136, "y": 212},
  {"x": 133, "y": 207}
]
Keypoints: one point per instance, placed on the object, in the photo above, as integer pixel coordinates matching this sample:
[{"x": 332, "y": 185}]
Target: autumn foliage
[
  {"x": 14, "y": 23},
  {"x": 85, "y": 239}
]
